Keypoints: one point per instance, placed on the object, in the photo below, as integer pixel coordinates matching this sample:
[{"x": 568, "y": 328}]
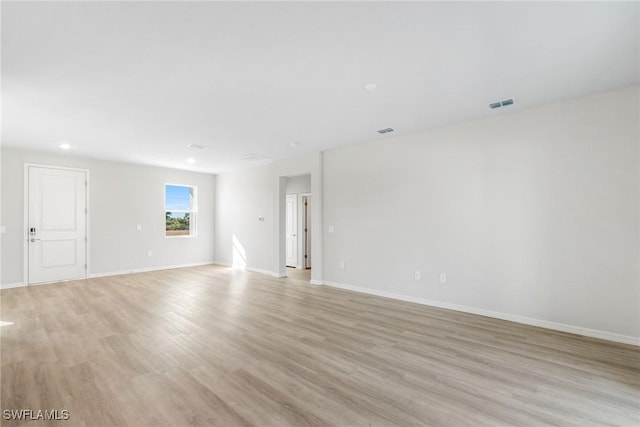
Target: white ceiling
[{"x": 139, "y": 81}]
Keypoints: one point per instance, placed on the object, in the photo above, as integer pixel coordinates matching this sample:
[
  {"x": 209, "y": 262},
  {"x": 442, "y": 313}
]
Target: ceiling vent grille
[
  {"x": 387, "y": 130},
  {"x": 503, "y": 103},
  {"x": 254, "y": 157},
  {"x": 198, "y": 146}
]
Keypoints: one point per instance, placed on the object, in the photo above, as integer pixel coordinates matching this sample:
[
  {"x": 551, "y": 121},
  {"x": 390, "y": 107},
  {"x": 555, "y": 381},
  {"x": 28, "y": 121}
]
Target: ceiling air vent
[
  {"x": 387, "y": 130},
  {"x": 198, "y": 146},
  {"x": 254, "y": 157},
  {"x": 503, "y": 103}
]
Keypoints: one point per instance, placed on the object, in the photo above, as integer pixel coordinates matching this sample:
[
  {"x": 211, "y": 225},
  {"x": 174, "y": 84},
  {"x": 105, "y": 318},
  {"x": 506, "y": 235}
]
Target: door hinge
[
  {"x": 85, "y": 238},
  {"x": 85, "y": 266},
  {"x": 86, "y": 183}
]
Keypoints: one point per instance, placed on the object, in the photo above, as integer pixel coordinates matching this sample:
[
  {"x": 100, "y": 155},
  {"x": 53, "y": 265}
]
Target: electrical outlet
[
  {"x": 139, "y": 227},
  {"x": 332, "y": 229},
  {"x": 443, "y": 278},
  {"x": 417, "y": 275},
  {"x": 149, "y": 253},
  {"x": 341, "y": 265}
]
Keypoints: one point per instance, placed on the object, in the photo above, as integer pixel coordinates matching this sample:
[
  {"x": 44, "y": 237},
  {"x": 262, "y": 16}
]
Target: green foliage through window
[{"x": 180, "y": 210}]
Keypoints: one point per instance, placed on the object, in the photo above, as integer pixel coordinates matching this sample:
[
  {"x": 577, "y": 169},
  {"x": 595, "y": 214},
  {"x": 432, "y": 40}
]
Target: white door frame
[
  {"x": 296, "y": 228},
  {"x": 305, "y": 246},
  {"x": 25, "y": 229}
]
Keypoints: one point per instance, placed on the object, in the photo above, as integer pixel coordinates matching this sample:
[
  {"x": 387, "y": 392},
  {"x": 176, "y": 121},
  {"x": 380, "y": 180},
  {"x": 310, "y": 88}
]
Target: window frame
[{"x": 193, "y": 212}]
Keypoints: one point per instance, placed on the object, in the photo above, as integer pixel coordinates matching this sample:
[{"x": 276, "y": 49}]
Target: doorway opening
[{"x": 298, "y": 226}]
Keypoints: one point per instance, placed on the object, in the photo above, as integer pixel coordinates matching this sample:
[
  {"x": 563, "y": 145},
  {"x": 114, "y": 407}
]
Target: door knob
[{"x": 35, "y": 240}]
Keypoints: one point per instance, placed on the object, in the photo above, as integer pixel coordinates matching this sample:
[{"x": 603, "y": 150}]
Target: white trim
[
  {"x": 223, "y": 264},
  {"x": 13, "y": 285},
  {"x": 244, "y": 268},
  {"x": 194, "y": 211},
  {"x": 259, "y": 270},
  {"x": 279, "y": 275},
  {"x": 296, "y": 232},
  {"x": 304, "y": 233},
  {"x": 147, "y": 269},
  {"x": 316, "y": 282},
  {"x": 25, "y": 218},
  {"x": 110, "y": 273},
  {"x": 562, "y": 327},
  {"x": 87, "y": 223},
  {"x": 25, "y": 227}
]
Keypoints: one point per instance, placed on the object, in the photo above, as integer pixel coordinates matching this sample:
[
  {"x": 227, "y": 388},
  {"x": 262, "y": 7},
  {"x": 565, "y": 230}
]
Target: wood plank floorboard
[{"x": 210, "y": 346}]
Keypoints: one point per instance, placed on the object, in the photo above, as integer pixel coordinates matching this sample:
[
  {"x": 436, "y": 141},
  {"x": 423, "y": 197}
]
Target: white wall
[
  {"x": 2, "y": 227},
  {"x": 532, "y": 213},
  {"x": 121, "y": 196},
  {"x": 245, "y": 195},
  {"x": 241, "y": 239},
  {"x": 299, "y": 185}
]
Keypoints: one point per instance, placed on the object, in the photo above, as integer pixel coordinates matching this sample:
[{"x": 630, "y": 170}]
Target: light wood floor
[{"x": 212, "y": 346}]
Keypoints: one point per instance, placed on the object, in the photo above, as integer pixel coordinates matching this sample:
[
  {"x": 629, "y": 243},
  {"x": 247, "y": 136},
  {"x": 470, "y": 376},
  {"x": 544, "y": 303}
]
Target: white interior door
[
  {"x": 57, "y": 218},
  {"x": 291, "y": 230}
]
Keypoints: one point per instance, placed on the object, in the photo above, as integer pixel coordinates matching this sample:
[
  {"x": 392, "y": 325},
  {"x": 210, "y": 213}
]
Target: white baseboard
[
  {"x": 260, "y": 270},
  {"x": 278, "y": 275},
  {"x": 578, "y": 330},
  {"x": 255, "y": 270},
  {"x": 223, "y": 264},
  {"x": 12, "y": 285},
  {"x": 111, "y": 273},
  {"x": 137, "y": 270},
  {"x": 316, "y": 282},
  {"x": 147, "y": 269}
]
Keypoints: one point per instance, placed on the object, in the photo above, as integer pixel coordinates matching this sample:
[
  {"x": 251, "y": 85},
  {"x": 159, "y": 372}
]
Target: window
[{"x": 180, "y": 206}]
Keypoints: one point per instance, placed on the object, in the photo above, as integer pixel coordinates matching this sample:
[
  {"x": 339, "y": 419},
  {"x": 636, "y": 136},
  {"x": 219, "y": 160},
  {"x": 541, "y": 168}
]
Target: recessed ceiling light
[
  {"x": 198, "y": 146},
  {"x": 65, "y": 146},
  {"x": 191, "y": 160},
  {"x": 370, "y": 87}
]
